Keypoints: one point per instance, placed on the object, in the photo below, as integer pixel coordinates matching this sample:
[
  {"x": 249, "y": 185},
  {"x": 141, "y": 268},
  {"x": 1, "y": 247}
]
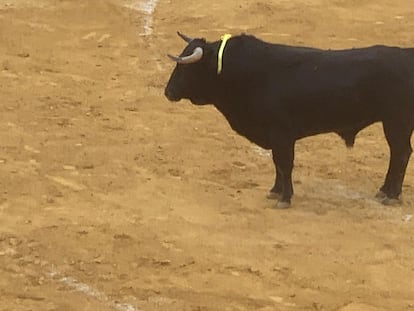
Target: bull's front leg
[
  {"x": 283, "y": 150},
  {"x": 276, "y": 192}
]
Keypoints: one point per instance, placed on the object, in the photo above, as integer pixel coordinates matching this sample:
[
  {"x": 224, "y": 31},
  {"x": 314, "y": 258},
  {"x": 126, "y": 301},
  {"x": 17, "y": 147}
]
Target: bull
[{"x": 275, "y": 94}]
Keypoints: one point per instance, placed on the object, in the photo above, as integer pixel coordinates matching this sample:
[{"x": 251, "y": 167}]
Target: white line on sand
[
  {"x": 147, "y": 7},
  {"x": 77, "y": 286}
]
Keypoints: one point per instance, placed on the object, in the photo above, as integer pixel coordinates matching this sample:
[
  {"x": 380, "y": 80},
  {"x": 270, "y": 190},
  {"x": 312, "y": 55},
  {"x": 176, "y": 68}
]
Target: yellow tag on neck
[{"x": 224, "y": 39}]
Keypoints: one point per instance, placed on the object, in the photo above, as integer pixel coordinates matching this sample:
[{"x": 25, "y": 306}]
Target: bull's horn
[
  {"x": 184, "y": 37},
  {"x": 190, "y": 59}
]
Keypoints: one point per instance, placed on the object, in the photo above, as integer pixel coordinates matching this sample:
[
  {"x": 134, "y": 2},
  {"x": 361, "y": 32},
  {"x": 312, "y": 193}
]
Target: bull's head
[{"x": 194, "y": 75}]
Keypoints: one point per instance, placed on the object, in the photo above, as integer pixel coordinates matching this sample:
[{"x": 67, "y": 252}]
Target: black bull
[{"x": 275, "y": 94}]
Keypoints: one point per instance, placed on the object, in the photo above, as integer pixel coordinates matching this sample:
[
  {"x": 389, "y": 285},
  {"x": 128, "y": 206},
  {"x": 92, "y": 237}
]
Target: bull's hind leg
[{"x": 398, "y": 136}]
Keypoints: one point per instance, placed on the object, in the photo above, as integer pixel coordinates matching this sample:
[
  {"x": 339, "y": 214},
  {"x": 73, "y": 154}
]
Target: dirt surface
[{"x": 112, "y": 198}]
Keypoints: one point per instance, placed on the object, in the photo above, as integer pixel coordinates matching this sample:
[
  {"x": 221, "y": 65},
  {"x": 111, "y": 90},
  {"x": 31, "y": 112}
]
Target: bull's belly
[
  {"x": 260, "y": 134},
  {"x": 344, "y": 130},
  {"x": 303, "y": 124},
  {"x": 338, "y": 122}
]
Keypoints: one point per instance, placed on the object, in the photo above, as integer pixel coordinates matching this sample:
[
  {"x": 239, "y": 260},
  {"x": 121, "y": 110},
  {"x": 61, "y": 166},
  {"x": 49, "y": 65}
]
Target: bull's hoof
[
  {"x": 381, "y": 195},
  {"x": 282, "y": 205},
  {"x": 384, "y": 199},
  {"x": 391, "y": 202},
  {"x": 273, "y": 195}
]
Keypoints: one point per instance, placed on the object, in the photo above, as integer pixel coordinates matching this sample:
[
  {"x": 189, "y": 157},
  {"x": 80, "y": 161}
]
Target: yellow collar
[{"x": 224, "y": 39}]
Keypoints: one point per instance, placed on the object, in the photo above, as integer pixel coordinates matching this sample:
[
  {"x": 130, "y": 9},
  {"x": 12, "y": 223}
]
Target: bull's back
[{"x": 334, "y": 90}]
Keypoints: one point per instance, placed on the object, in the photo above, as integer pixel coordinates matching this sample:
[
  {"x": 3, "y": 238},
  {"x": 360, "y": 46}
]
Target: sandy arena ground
[{"x": 112, "y": 198}]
